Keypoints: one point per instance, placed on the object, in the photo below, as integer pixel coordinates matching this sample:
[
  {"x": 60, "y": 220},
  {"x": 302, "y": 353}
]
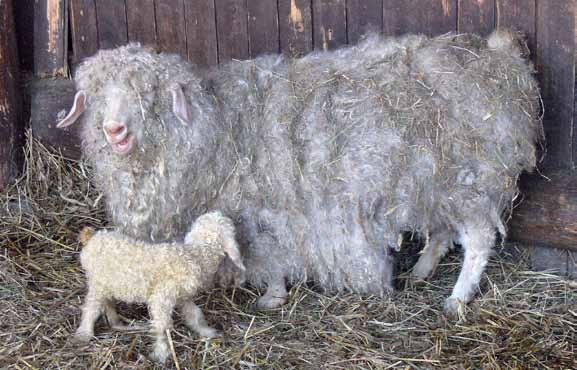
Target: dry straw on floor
[{"x": 521, "y": 319}]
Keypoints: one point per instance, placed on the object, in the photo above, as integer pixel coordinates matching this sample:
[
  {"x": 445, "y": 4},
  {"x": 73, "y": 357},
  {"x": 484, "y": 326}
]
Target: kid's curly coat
[{"x": 321, "y": 161}]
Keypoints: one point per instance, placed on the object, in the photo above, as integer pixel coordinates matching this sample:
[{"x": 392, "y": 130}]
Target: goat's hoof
[
  {"x": 268, "y": 302},
  {"x": 81, "y": 338},
  {"x": 455, "y": 308},
  {"x": 209, "y": 333}
]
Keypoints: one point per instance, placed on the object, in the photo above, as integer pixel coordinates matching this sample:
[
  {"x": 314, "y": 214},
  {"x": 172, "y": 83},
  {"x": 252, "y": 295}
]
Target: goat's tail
[{"x": 85, "y": 235}]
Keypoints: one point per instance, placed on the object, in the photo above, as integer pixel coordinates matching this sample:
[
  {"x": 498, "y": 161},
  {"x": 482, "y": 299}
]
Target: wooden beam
[
  {"x": 84, "y": 29},
  {"x": 547, "y": 215},
  {"x": 295, "y": 27},
  {"x": 50, "y": 38},
  {"x": 262, "y": 27},
  {"x": 518, "y": 15},
  {"x": 476, "y": 16},
  {"x": 170, "y": 26},
  {"x": 329, "y": 24},
  {"x": 141, "y": 21},
  {"x": 555, "y": 62},
  {"x": 201, "y": 33},
  {"x": 429, "y": 17},
  {"x": 111, "y": 20},
  {"x": 10, "y": 98},
  {"x": 232, "y": 29},
  {"x": 363, "y": 17}
]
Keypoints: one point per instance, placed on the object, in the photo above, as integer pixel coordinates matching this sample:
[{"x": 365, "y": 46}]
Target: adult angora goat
[{"x": 321, "y": 161}]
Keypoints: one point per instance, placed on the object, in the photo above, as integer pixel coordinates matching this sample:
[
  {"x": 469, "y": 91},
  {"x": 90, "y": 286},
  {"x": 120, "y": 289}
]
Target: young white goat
[{"x": 160, "y": 275}]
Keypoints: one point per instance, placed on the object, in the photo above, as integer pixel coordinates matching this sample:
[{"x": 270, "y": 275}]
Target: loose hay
[{"x": 521, "y": 319}]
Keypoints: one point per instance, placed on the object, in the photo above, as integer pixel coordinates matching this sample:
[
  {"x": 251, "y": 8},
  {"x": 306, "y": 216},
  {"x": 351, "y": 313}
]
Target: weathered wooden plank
[
  {"x": 50, "y": 37},
  {"x": 141, "y": 22},
  {"x": 549, "y": 259},
  {"x": 263, "y": 30},
  {"x": 555, "y": 62},
  {"x": 429, "y": 17},
  {"x": 547, "y": 215},
  {"x": 50, "y": 100},
  {"x": 170, "y": 26},
  {"x": 201, "y": 33},
  {"x": 329, "y": 24},
  {"x": 476, "y": 16},
  {"x": 84, "y": 28},
  {"x": 518, "y": 15},
  {"x": 362, "y": 17},
  {"x": 10, "y": 99},
  {"x": 24, "y": 21},
  {"x": 295, "y": 27},
  {"x": 111, "y": 20},
  {"x": 232, "y": 29}
]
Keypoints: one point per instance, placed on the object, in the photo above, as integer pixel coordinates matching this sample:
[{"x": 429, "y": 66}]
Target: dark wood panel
[
  {"x": 170, "y": 26},
  {"x": 201, "y": 32},
  {"x": 111, "y": 21},
  {"x": 547, "y": 214},
  {"x": 84, "y": 28},
  {"x": 262, "y": 27},
  {"x": 329, "y": 24},
  {"x": 555, "y": 61},
  {"x": 518, "y": 15},
  {"x": 476, "y": 16},
  {"x": 24, "y": 20},
  {"x": 362, "y": 17},
  {"x": 51, "y": 99},
  {"x": 295, "y": 27},
  {"x": 10, "y": 99},
  {"x": 429, "y": 17},
  {"x": 141, "y": 21},
  {"x": 232, "y": 29},
  {"x": 50, "y": 37}
]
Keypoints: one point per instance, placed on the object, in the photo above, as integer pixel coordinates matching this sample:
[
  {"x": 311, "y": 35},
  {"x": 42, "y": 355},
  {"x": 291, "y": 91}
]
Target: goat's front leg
[
  {"x": 276, "y": 294},
  {"x": 91, "y": 310},
  {"x": 437, "y": 246},
  {"x": 477, "y": 239},
  {"x": 161, "y": 307}
]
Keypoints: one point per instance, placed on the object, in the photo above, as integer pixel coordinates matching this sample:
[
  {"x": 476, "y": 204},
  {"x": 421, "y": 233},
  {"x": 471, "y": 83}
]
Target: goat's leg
[
  {"x": 477, "y": 239},
  {"x": 161, "y": 308},
  {"x": 91, "y": 310},
  {"x": 436, "y": 248},
  {"x": 194, "y": 319},
  {"x": 275, "y": 296}
]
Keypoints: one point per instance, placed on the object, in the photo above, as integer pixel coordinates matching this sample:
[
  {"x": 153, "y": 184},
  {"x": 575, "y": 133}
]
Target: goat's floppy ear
[
  {"x": 76, "y": 111},
  {"x": 180, "y": 106}
]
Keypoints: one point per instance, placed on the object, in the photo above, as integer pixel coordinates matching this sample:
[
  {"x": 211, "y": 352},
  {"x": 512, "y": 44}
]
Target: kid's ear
[
  {"x": 76, "y": 111},
  {"x": 180, "y": 106}
]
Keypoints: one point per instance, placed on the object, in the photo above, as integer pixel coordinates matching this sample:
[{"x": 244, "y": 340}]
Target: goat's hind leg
[
  {"x": 91, "y": 310},
  {"x": 194, "y": 319},
  {"x": 161, "y": 308},
  {"x": 437, "y": 246},
  {"x": 477, "y": 239},
  {"x": 275, "y": 296}
]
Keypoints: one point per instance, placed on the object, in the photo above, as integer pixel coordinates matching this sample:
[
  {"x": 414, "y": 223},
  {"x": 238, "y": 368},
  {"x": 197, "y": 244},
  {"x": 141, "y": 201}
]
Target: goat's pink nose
[{"x": 114, "y": 128}]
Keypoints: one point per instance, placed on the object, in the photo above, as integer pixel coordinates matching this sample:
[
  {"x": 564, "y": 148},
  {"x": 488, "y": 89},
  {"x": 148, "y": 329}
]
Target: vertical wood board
[
  {"x": 84, "y": 28},
  {"x": 295, "y": 27},
  {"x": 362, "y": 17},
  {"x": 111, "y": 23},
  {"x": 429, "y": 17},
  {"x": 171, "y": 26},
  {"x": 518, "y": 15},
  {"x": 50, "y": 37},
  {"x": 141, "y": 21},
  {"x": 263, "y": 29},
  {"x": 329, "y": 24},
  {"x": 232, "y": 29},
  {"x": 555, "y": 62},
  {"x": 476, "y": 16},
  {"x": 201, "y": 42}
]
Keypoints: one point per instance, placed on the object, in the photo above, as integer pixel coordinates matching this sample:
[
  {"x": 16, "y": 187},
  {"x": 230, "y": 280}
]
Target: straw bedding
[{"x": 521, "y": 319}]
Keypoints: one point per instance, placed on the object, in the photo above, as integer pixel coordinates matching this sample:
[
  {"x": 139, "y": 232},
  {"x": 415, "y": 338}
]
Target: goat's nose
[{"x": 113, "y": 128}]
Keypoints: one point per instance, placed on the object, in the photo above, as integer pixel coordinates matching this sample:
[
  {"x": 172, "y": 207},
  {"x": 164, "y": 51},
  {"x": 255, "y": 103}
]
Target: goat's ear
[
  {"x": 76, "y": 111},
  {"x": 180, "y": 106}
]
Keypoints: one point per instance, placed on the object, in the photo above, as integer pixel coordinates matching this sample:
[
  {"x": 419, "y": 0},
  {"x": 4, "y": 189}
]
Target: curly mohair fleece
[
  {"x": 323, "y": 161},
  {"x": 161, "y": 275}
]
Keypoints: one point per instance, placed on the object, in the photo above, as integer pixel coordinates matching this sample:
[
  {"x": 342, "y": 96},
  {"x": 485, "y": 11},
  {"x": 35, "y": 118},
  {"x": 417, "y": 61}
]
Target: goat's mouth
[{"x": 122, "y": 145}]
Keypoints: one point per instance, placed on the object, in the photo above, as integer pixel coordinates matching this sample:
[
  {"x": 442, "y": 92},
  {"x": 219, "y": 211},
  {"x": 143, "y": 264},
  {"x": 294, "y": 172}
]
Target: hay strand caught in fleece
[{"x": 521, "y": 319}]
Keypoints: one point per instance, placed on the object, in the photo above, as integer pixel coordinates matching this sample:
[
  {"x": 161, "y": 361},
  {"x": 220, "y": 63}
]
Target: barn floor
[{"x": 521, "y": 319}]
